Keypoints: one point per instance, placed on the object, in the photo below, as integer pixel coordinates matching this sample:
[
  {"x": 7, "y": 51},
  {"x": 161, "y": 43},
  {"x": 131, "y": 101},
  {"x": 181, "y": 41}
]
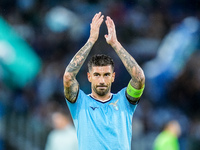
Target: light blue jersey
[{"x": 103, "y": 125}]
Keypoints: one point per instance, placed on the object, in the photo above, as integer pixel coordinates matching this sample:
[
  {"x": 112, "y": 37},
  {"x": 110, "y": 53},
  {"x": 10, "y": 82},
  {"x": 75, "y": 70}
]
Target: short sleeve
[{"x": 75, "y": 107}]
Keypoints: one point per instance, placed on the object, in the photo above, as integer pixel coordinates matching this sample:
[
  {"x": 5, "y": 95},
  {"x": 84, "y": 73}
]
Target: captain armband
[{"x": 131, "y": 91}]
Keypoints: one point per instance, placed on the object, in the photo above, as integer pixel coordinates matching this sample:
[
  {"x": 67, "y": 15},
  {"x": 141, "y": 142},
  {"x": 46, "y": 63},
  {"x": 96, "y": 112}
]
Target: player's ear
[
  {"x": 113, "y": 77},
  {"x": 89, "y": 76}
]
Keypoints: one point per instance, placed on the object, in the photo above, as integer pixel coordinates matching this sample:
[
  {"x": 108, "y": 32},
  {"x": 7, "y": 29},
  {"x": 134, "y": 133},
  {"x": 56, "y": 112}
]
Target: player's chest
[{"x": 103, "y": 111}]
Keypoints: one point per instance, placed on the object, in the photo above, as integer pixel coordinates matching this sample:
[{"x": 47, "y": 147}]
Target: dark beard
[{"x": 101, "y": 92}]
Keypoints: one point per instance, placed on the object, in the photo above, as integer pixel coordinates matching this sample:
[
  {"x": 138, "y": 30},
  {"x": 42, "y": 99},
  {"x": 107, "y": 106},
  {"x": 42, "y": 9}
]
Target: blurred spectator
[
  {"x": 63, "y": 137},
  {"x": 168, "y": 138}
]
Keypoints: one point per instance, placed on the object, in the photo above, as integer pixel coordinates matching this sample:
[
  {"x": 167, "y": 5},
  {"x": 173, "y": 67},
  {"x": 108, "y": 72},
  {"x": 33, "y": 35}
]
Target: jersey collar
[{"x": 105, "y": 101}]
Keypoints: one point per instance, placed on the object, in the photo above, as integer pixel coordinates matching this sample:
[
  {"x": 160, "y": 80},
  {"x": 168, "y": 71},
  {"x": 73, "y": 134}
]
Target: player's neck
[{"x": 101, "y": 98}]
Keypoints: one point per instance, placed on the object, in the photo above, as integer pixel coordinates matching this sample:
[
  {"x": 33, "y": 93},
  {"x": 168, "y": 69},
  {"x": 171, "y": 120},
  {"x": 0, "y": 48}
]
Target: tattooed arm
[
  {"x": 71, "y": 86},
  {"x": 137, "y": 75}
]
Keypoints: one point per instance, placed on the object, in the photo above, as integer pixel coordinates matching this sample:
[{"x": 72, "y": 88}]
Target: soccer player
[{"x": 103, "y": 120}]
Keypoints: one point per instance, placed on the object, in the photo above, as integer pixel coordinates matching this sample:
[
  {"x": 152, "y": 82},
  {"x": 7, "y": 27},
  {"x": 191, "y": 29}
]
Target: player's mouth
[{"x": 101, "y": 86}]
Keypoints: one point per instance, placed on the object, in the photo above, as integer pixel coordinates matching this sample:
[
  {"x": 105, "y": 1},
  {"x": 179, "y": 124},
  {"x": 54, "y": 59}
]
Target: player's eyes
[
  {"x": 96, "y": 74},
  {"x": 107, "y": 74}
]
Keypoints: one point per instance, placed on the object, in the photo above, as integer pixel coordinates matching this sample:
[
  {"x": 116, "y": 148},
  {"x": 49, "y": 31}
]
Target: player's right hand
[{"x": 95, "y": 27}]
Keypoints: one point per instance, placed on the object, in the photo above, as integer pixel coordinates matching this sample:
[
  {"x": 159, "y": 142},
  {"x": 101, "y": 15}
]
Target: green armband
[{"x": 131, "y": 91}]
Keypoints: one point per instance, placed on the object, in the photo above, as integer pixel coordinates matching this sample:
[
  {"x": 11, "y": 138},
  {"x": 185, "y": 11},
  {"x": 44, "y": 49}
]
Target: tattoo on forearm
[
  {"x": 71, "y": 85},
  {"x": 131, "y": 65},
  {"x": 79, "y": 58}
]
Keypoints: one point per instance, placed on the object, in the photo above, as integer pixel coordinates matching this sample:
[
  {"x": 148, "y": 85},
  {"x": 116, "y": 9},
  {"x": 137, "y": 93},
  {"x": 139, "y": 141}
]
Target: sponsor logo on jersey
[{"x": 93, "y": 108}]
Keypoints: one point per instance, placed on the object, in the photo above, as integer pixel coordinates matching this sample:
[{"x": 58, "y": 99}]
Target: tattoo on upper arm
[
  {"x": 71, "y": 92},
  {"x": 132, "y": 100}
]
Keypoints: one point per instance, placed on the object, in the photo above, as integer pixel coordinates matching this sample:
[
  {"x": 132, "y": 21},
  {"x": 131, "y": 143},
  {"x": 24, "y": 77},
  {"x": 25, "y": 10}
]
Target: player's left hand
[{"x": 111, "y": 37}]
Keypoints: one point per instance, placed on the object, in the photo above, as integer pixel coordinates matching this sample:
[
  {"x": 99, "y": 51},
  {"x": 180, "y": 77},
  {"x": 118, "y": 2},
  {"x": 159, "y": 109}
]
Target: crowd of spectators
[{"x": 141, "y": 27}]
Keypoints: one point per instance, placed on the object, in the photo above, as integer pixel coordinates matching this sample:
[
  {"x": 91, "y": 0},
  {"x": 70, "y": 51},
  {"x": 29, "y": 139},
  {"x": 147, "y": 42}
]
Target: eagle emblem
[{"x": 115, "y": 106}]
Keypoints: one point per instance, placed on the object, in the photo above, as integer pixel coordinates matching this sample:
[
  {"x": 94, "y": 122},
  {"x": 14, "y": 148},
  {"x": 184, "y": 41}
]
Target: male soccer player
[{"x": 103, "y": 120}]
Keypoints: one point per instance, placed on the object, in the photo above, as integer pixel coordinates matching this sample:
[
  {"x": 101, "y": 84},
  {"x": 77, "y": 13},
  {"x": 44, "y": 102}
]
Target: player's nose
[{"x": 101, "y": 80}]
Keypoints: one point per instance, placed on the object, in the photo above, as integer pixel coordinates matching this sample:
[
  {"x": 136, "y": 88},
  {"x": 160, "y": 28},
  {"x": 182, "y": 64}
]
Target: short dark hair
[{"x": 100, "y": 60}]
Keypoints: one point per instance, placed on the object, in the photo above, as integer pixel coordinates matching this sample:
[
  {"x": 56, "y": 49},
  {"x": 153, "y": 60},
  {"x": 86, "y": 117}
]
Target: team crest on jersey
[{"x": 115, "y": 106}]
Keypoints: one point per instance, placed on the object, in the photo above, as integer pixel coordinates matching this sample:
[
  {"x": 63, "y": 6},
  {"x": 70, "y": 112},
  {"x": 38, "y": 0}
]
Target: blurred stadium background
[{"x": 38, "y": 38}]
